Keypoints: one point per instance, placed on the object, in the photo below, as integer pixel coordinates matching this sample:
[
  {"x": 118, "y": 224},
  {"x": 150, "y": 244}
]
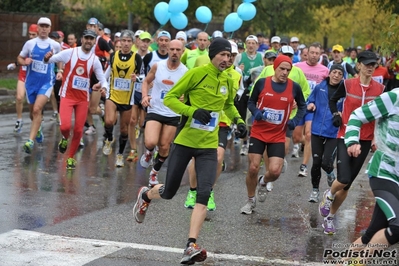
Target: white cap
[
  {"x": 181, "y": 34},
  {"x": 294, "y": 39},
  {"x": 217, "y": 34},
  {"x": 252, "y": 37},
  {"x": 45, "y": 21},
  {"x": 275, "y": 39},
  {"x": 359, "y": 47},
  {"x": 301, "y": 46},
  {"x": 234, "y": 47},
  {"x": 138, "y": 32},
  {"x": 286, "y": 49},
  {"x": 118, "y": 34},
  {"x": 107, "y": 31}
]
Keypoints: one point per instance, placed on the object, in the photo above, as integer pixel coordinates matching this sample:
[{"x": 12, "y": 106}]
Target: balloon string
[
  {"x": 160, "y": 27},
  {"x": 231, "y": 35},
  {"x": 206, "y": 26}
]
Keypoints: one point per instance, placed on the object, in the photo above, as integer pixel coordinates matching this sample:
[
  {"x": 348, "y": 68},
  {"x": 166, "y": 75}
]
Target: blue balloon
[
  {"x": 161, "y": 13},
  {"x": 203, "y": 14},
  {"x": 179, "y": 21},
  {"x": 246, "y": 11},
  {"x": 232, "y": 22},
  {"x": 249, "y": 1},
  {"x": 177, "y": 6}
]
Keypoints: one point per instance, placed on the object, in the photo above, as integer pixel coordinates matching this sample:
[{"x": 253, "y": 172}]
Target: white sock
[
  {"x": 329, "y": 195},
  {"x": 262, "y": 181}
]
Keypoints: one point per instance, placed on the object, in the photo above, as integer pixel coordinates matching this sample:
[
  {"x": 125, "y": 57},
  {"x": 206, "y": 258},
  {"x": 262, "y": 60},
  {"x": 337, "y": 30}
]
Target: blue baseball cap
[
  {"x": 92, "y": 21},
  {"x": 164, "y": 34}
]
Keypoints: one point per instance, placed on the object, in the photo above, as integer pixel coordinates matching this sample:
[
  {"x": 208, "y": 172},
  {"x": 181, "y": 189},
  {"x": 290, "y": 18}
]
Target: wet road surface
[{"x": 49, "y": 216}]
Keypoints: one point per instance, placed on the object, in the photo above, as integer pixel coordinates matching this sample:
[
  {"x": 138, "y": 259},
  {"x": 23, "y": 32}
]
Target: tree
[{"x": 32, "y": 6}]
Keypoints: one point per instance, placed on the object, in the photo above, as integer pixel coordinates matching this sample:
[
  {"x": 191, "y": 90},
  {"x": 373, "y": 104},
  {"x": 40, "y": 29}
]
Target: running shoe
[
  {"x": 269, "y": 186},
  {"x": 325, "y": 204},
  {"x": 192, "y": 254},
  {"x": 71, "y": 164},
  {"x": 28, "y": 146},
  {"x": 285, "y": 166},
  {"x": 119, "y": 161},
  {"x": 153, "y": 178},
  {"x": 146, "y": 159},
  {"x": 295, "y": 151},
  {"x": 81, "y": 143},
  {"x": 262, "y": 190},
  {"x": 63, "y": 145},
  {"x": 107, "y": 149},
  {"x": 244, "y": 150},
  {"x": 328, "y": 225},
  {"x": 330, "y": 178},
  {"x": 141, "y": 206},
  {"x": 54, "y": 117},
  {"x": 133, "y": 156},
  {"x": 91, "y": 130},
  {"x": 39, "y": 135},
  {"x": 211, "y": 202},
  {"x": 248, "y": 207},
  {"x": 303, "y": 171},
  {"x": 314, "y": 196},
  {"x": 191, "y": 199},
  {"x": 18, "y": 126}
]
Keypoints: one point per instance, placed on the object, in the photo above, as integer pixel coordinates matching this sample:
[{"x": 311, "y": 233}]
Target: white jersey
[{"x": 165, "y": 79}]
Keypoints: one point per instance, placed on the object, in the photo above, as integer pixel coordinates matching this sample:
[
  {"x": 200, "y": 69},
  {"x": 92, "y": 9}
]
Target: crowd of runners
[{"x": 190, "y": 97}]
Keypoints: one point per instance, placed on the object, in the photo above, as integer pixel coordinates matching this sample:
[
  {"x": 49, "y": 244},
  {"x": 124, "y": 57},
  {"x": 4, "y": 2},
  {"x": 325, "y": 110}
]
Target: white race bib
[
  {"x": 39, "y": 67},
  {"x": 80, "y": 83},
  {"x": 273, "y": 116},
  {"x": 312, "y": 84},
  {"x": 122, "y": 84},
  {"x": 137, "y": 86},
  {"x": 211, "y": 126}
]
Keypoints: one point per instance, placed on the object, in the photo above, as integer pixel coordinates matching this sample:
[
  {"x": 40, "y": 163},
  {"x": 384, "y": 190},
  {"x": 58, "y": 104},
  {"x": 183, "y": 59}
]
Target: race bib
[
  {"x": 39, "y": 67},
  {"x": 137, "y": 86},
  {"x": 122, "y": 84},
  {"x": 80, "y": 83},
  {"x": 312, "y": 84},
  {"x": 211, "y": 126},
  {"x": 379, "y": 79},
  {"x": 273, "y": 116}
]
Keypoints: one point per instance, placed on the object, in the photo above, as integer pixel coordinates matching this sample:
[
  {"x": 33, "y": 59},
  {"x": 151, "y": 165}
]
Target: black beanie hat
[
  {"x": 337, "y": 66},
  {"x": 218, "y": 45}
]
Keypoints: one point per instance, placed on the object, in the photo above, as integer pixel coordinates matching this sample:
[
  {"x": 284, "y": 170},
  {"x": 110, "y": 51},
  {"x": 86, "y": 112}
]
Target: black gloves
[
  {"x": 337, "y": 120},
  {"x": 291, "y": 124},
  {"x": 241, "y": 131},
  {"x": 202, "y": 116}
]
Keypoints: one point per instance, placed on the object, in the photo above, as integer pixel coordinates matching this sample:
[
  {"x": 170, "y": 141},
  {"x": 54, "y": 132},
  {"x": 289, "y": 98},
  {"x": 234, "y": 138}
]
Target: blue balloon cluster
[
  {"x": 203, "y": 14},
  {"x": 173, "y": 11},
  {"x": 246, "y": 11}
]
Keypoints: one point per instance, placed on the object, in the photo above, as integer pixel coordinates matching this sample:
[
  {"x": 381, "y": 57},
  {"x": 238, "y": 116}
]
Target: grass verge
[{"x": 10, "y": 84}]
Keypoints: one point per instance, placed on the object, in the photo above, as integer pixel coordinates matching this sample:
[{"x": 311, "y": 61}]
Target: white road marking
[{"x": 21, "y": 247}]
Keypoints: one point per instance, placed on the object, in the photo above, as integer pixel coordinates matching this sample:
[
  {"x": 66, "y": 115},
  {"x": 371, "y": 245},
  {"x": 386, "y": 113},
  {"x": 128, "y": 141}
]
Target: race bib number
[
  {"x": 273, "y": 116},
  {"x": 122, "y": 84},
  {"x": 80, "y": 83},
  {"x": 39, "y": 67},
  {"x": 137, "y": 86},
  {"x": 312, "y": 84},
  {"x": 211, "y": 126}
]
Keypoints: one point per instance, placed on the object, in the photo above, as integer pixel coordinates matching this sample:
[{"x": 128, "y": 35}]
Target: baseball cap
[
  {"x": 252, "y": 37},
  {"x": 270, "y": 54},
  {"x": 118, "y": 34},
  {"x": 275, "y": 39},
  {"x": 301, "y": 46},
  {"x": 234, "y": 48},
  {"x": 60, "y": 33},
  {"x": 145, "y": 35},
  {"x": 182, "y": 35},
  {"x": 284, "y": 41},
  {"x": 90, "y": 33},
  {"x": 217, "y": 34},
  {"x": 138, "y": 32},
  {"x": 100, "y": 26},
  {"x": 286, "y": 49},
  {"x": 294, "y": 39},
  {"x": 45, "y": 21},
  {"x": 240, "y": 45},
  {"x": 367, "y": 57},
  {"x": 338, "y": 48},
  {"x": 359, "y": 47},
  {"x": 164, "y": 33},
  {"x": 54, "y": 35},
  {"x": 92, "y": 21},
  {"x": 107, "y": 31}
]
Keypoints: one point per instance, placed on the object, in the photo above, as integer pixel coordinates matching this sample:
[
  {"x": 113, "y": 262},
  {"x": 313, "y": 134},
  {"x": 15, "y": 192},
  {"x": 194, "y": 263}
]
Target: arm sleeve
[
  {"x": 98, "y": 71},
  {"x": 146, "y": 61},
  {"x": 300, "y": 101},
  {"x": 383, "y": 106},
  {"x": 103, "y": 45},
  {"x": 139, "y": 63},
  {"x": 350, "y": 69},
  {"x": 339, "y": 93},
  {"x": 313, "y": 94},
  {"x": 62, "y": 56},
  {"x": 253, "y": 99}
]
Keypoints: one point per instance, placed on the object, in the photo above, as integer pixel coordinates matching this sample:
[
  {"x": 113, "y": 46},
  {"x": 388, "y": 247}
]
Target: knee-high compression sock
[
  {"x": 122, "y": 143},
  {"x": 108, "y": 132},
  {"x": 159, "y": 160}
]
